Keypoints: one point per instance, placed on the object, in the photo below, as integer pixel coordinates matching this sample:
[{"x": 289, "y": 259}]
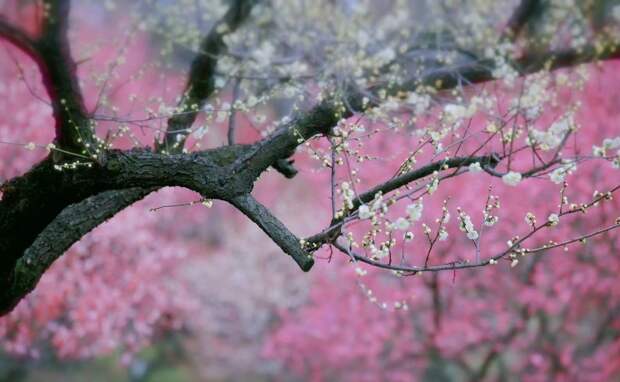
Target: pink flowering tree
[{"x": 435, "y": 140}]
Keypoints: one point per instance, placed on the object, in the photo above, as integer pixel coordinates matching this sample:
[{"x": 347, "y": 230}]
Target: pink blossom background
[{"x": 241, "y": 308}]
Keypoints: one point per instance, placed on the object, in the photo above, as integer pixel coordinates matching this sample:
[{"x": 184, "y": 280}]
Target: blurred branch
[
  {"x": 233, "y": 112},
  {"x": 324, "y": 116},
  {"x": 51, "y": 52},
  {"x": 522, "y": 13},
  {"x": 201, "y": 80},
  {"x": 17, "y": 37}
]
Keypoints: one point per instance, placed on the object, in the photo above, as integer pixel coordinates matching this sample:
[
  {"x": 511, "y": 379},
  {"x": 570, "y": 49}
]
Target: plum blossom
[
  {"x": 512, "y": 178},
  {"x": 414, "y": 210},
  {"x": 553, "y": 219},
  {"x": 475, "y": 167},
  {"x": 401, "y": 224},
  {"x": 364, "y": 212}
]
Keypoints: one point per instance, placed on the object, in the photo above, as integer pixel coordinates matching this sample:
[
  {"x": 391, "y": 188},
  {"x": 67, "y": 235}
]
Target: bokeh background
[{"x": 173, "y": 289}]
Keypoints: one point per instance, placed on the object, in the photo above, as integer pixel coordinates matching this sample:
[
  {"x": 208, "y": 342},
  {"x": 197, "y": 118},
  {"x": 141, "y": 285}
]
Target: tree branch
[
  {"x": 278, "y": 232},
  {"x": 402, "y": 180},
  {"x": 73, "y": 130},
  {"x": 233, "y": 112},
  {"x": 18, "y": 37},
  {"x": 67, "y": 228},
  {"x": 201, "y": 80},
  {"x": 51, "y": 52},
  {"x": 324, "y": 116},
  {"x": 522, "y": 13},
  {"x": 35, "y": 199},
  {"x": 330, "y": 234}
]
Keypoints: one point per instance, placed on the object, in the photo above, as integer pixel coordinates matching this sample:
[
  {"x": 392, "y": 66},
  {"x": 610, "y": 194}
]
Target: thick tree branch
[
  {"x": 51, "y": 52},
  {"x": 67, "y": 228},
  {"x": 73, "y": 130},
  {"x": 49, "y": 201},
  {"x": 201, "y": 80},
  {"x": 324, "y": 116},
  {"x": 35, "y": 199},
  {"x": 274, "y": 228},
  {"x": 282, "y": 143}
]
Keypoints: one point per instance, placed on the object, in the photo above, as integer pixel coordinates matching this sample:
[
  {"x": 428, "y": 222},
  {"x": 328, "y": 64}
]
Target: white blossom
[
  {"x": 553, "y": 137},
  {"x": 598, "y": 151},
  {"x": 475, "y": 167},
  {"x": 401, "y": 224},
  {"x": 456, "y": 112},
  {"x": 414, "y": 210},
  {"x": 421, "y": 102},
  {"x": 512, "y": 178},
  {"x": 467, "y": 226},
  {"x": 443, "y": 235},
  {"x": 553, "y": 219},
  {"x": 347, "y": 194},
  {"x": 378, "y": 253},
  {"x": 432, "y": 186},
  {"x": 364, "y": 212},
  {"x": 557, "y": 176}
]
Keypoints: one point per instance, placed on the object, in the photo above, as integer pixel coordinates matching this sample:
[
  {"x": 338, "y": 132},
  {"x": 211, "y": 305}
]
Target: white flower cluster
[
  {"x": 608, "y": 144},
  {"x": 534, "y": 97},
  {"x": 467, "y": 226},
  {"x": 414, "y": 210},
  {"x": 488, "y": 218},
  {"x": 558, "y": 175},
  {"x": 553, "y": 219},
  {"x": 455, "y": 113},
  {"x": 347, "y": 194},
  {"x": 530, "y": 219},
  {"x": 421, "y": 102},
  {"x": 475, "y": 167},
  {"x": 364, "y": 212},
  {"x": 431, "y": 187},
  {"x": 401, "y": 224},
  {"x": 378, "y": 205},
  {"x": 379, "y": 253},
  {"x": 512, "y": 178},
  {"x": 551, "y": 138},
  {"x": 445, "y": 218},
  {"x": 503, "y": 69}
]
